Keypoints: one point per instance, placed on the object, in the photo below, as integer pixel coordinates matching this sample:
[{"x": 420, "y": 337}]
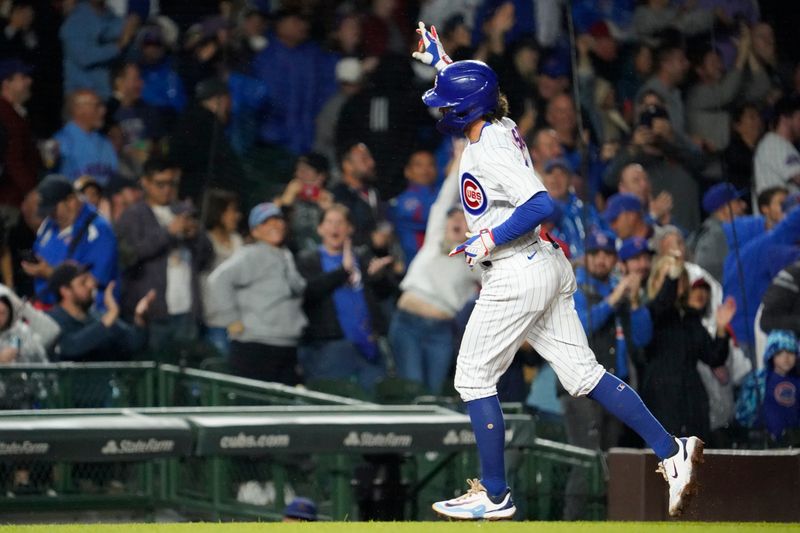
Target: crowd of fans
[{"x": 261, "y": 178}]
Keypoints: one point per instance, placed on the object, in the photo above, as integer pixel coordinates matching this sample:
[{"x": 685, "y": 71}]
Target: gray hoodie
[{"x": 259, "y": 286}]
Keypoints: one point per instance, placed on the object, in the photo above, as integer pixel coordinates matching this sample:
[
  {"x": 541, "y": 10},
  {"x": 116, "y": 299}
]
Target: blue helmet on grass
[{"x": 468, "y": 88}]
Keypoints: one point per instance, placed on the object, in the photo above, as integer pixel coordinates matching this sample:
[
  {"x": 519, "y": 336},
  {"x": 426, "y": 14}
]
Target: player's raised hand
[
  {"x": 476, "y": 247},
  {"x": 430, "y": 50}
]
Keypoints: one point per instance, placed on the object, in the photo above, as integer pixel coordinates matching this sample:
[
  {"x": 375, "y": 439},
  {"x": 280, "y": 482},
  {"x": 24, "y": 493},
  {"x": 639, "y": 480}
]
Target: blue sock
[
  {"x": 490, "y": 434},
  {"x": 624, "y": 403}
]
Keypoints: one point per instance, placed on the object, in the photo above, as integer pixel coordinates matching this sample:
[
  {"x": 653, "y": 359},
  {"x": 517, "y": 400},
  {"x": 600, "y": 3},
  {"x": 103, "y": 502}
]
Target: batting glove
[
  {"x": 476, "y": 247},
  {"x": 430, "y": 50}
]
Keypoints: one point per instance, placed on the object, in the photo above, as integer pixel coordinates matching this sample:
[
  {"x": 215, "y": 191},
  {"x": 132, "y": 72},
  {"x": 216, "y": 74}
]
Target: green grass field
[{"x": 415, "y": 527}]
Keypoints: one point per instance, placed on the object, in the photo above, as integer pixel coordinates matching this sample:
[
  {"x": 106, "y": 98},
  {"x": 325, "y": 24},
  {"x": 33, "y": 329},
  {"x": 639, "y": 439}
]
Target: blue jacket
[
  {"x": 300, "y": 80},
  {"x": 249, "y": 101},
  {"x": 85, "y": 153},
  {"x": 587, "y": 12},
  {"x": 162, "y": 86},
  {"x": 641, "y": 326},
  {"x": 769, "y": 400},
  {"x": 97, "y": 248},
  {"x": 747, "y": 228},
  {"x": 409, "y": 214},
  {"x": 762, "y": 258},
  {"x": 89, "y": 39}
]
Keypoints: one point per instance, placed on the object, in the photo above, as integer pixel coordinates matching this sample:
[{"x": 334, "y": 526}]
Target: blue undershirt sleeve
[{"x": 524, "y": 219}]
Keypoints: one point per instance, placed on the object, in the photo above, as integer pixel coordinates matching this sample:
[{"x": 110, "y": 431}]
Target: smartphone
[
  {"x": 185, "y": 207},
  {"x": 309, "y": 193}
]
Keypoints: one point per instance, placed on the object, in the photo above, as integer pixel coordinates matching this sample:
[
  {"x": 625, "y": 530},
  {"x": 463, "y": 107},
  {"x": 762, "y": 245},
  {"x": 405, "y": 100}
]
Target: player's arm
[{"x": 523, "y": 220}]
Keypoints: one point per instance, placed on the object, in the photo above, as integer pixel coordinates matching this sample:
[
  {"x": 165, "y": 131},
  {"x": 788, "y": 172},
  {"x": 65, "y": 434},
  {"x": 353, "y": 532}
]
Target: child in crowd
[{"x": 776, "y": 385}]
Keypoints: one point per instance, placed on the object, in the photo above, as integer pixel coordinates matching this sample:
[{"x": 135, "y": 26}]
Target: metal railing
[
  {"x": 189, "y": 387},
  {"x": 225, "y": 487}
]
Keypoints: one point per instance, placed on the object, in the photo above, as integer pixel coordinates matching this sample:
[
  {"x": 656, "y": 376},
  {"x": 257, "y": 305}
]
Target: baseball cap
[
  {"x": 53, "y": 189},
  {"x": 555, "y": 65},
  {"x": 302, "y": 509},
  {"x": 9, "y": 67},
  {"x": 558, "y": 162},
  {"x": 621, "y": 203},
  {"x": 316, "y": 161},
  {"x": 64, "y": 274},
  {"x": 209, "y": 88},
  {"x": 632, "y": 247},
  {"x": 152, "y": 36},
  {"x": 263, "y": 211},
  {"x": 601, "y": 240},
  {"x": 701, "y": 283},
  {"x": 600, "y": 30},
  {"x": 778, "y": 341},
  {"x": 719, "y": 195}
]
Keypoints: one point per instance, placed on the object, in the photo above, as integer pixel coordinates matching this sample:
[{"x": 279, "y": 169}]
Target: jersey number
[{"x": 521, "y": 145}]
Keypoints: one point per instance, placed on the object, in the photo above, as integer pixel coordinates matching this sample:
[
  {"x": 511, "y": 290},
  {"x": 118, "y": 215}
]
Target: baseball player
[{"x": 527, "y": 289}]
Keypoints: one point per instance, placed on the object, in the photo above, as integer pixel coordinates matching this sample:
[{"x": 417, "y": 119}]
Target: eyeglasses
[
  {"x": 163, "y": 184},
  {"x": 90, "y": 103}
]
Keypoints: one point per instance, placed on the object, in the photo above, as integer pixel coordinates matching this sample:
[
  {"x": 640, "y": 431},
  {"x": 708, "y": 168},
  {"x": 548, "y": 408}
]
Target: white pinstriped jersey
[
  {"x": 527, "y": 288},
  {"x": 496, "y": 176}
]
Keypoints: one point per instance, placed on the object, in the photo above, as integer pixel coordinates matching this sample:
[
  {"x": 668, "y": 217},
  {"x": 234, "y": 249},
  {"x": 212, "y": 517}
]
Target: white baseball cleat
[
  {"x": 477, "y": 505},
  {"x": 680, "y": 471}
]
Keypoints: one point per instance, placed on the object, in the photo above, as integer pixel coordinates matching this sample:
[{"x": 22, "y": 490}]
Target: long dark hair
[
  {"x": 217, "y": 202},
  {"x": 500, "y": 111},
  {"x": 5, "y": 300}
]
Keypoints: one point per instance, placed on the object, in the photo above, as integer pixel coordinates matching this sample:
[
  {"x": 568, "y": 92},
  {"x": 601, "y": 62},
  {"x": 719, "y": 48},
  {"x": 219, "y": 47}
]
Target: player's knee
[
  {"x": 585, "y": 382},
  {"x": 469, "y": 393}
]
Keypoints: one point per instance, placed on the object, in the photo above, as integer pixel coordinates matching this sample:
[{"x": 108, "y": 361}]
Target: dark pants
[
  {"x": 588, "y": 426},
  {"x": 171, "y": 335},
  {"x": 262, "y": 361}
]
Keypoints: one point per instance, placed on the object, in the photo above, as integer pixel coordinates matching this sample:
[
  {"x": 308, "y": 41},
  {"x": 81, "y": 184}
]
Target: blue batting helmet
[{"x": 469, "y": 88}]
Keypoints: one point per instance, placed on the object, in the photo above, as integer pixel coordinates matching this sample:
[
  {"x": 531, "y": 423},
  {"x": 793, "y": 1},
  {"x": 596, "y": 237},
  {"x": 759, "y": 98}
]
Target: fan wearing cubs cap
[
  {"x": 625, "y": 215},
  {"x": 257, "y": 295},
  {"x": 527, "y": 289},
  {"x": 776, "y": 385},
  {"x": 781, "y": 405},
  {"x": 723, "y": 202}
]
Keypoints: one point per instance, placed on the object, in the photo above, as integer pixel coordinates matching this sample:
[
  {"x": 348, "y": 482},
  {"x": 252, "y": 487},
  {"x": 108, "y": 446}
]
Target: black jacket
[
  {"x": 782, "y": 301},
  {"x": 671, "y": 386},
  {"x": 365, "y": 217},
  {"x": 198, "y": 144},
  {"x": 144, "y": 248},
  {"x": 323, "y": 323}
]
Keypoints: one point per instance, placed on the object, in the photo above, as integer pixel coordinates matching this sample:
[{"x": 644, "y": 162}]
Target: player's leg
[
  {"x": 559, "y": 337},
  {"x": 511, "y": 300}
]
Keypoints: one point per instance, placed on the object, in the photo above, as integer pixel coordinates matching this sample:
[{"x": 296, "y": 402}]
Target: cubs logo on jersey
[
  {"x": 472, "y": 195},
  {"x": 785, "y": 394}
]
